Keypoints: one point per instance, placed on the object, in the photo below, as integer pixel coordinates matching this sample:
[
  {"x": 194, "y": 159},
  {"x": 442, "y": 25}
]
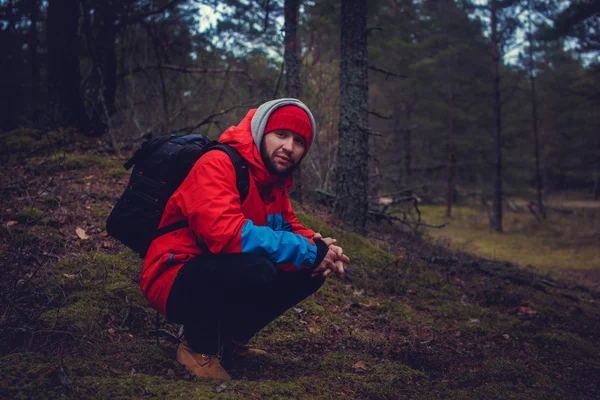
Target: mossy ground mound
[{"x": 409, "y": 321}]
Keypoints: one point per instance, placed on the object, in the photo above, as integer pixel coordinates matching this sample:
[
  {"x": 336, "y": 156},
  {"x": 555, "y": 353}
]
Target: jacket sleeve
[
  {"x": 209, "y": 199},
  {"x": 289, "y": 216}
]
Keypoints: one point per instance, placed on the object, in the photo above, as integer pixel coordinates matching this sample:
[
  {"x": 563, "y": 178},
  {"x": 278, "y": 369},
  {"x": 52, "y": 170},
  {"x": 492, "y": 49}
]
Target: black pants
[{"x": 218, "y": 296}]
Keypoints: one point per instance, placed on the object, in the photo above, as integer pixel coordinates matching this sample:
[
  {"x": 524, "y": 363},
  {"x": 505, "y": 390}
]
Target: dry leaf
[
  {"x": 527, "y": 310},
  {"x": 11, "y": 223},
  {"x": 81, "y": 234},
  {"x": 360, "y": 366},
  {"x": 69, "y": 276},
  {"x": 460, "y": 281}
]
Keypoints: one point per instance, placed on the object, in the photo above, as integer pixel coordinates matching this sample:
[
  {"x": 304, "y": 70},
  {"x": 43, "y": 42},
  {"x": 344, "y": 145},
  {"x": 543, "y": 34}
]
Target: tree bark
[
  {"x": 450, "y": 150},
  {"x": 8, "y": 87},
  {"x": 538, "y": 175},
  {"x": 353, "y": 150},
  {"x": 34, "y": 60},
  {"x": 292, "y": 71},
  {"x": 107, "y": 55},
  {"x": 66, "y": 103},
  {"x": 496, "y": 216},
  {"x": 408, "y": 143}
]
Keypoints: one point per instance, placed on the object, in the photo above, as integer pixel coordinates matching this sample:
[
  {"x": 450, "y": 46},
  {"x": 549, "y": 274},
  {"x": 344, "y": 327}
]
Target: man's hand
[
  {"x": 328, "y": 240},
  {"x": 333, "y": 262}
]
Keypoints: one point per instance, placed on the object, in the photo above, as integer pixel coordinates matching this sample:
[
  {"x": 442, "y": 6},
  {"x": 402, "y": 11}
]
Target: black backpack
[{"x": 161, "y": 165}]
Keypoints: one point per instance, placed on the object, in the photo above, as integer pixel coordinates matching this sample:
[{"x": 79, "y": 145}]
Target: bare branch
[
  {"x": 375, "y": 113},
  {"x": 387, "y": 73},
  {"x": 183, "y": 69},
  {"x": 209, "y": 119}
]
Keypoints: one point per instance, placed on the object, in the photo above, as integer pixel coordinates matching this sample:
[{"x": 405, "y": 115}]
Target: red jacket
[{"x": 208, "y": 198}]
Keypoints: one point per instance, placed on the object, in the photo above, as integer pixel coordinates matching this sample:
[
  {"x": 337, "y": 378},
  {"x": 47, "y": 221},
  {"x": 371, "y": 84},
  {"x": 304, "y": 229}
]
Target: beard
[{"x": 268, "y": 161}]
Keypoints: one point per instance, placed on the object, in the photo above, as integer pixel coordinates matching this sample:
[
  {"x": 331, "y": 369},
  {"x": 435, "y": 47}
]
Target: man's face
[{"x": 282, "y": 150}]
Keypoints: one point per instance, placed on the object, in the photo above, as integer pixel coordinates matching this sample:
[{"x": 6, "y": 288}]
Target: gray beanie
[{"x": 260, "y": 119}]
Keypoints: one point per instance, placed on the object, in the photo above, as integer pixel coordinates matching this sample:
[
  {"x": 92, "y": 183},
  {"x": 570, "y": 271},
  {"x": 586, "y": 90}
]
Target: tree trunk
[
  {"x": 8, "y": 87},
  {"x": 538, "y": 175},
  {"x": 34, "y": 61},
  {"x": 292, "y": 71},
  {"x": 107, "y": 55},
  {"x": 396, "y": 135},
  {"x": 408, "y": 144},
  {"x": 496, "y": 217},
  {"x": 450, "y": 149},
  {"x": 66, "y": 104},
  {"x": 353, "y": 151}
]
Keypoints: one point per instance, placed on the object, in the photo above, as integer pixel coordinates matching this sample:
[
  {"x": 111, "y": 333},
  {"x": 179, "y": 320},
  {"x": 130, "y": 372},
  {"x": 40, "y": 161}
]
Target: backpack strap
[
  {"x": 241, "y": 169},
  {"x": 242, "y": 183}
]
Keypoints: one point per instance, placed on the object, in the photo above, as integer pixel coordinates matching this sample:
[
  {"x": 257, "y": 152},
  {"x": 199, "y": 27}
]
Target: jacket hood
[{"x": 240, "y": 138}]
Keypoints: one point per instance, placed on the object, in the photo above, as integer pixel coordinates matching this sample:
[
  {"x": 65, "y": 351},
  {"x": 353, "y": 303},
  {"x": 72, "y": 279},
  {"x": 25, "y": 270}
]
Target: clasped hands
[{"x": 334, "y": 259}]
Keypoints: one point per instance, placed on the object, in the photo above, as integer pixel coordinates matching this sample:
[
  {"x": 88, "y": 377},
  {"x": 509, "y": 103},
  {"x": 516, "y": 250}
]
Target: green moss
[
  {"x": 29, "y": 215},
  {"x": 80, "y": 314},
  {"x": 334, "y": 293},
  {"x": 395, "y": 311},
  {"x": 25, "y": 238},
  {"x": 53, "y": 201},
  {"x": 29, "y": 376},
  {"x": 502, "y": 369},
  {"x": 473, "y": 321},
  {"x": 100, "y": 211},
  {"x": 24, "y": 142},
  {"x": 502, "y": 391},
  {"x": 361, "y": 251},
  {"x": 117, "y": 172},
  {"x": 79, "y": 161},
  {"x": 566, "y": 345},
  {"x": 299, "y": 388},
  {"x": 129, "y": 386},
  {"x": 122, "y": 355},
  {"x": 95, "y": 288},
  {"x": 547, "y": 246}
]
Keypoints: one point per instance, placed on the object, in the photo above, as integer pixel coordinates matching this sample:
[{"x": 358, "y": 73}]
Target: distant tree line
[{"x": 444, "y": 99}]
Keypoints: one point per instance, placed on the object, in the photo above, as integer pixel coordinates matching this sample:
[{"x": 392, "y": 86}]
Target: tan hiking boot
[
  {"x": 201, "y": 365},
  {"x": 242, "y": 350}
]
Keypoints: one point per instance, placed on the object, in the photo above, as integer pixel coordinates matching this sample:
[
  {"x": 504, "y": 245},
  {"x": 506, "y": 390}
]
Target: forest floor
[
  {"x": 411, "y": 320},
  {"x": 565, "y": 244}
]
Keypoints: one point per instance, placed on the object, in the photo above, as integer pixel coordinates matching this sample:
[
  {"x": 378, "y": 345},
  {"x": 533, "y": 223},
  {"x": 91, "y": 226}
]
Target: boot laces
[{"x": 208, "y": 359}]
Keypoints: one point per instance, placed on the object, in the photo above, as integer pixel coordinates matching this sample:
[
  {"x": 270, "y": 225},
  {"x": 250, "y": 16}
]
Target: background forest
[
  {"x": 437, "y": 123},
  {"x": 457, "y": 161}
]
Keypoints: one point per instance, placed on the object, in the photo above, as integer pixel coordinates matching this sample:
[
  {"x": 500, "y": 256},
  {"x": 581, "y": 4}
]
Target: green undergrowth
[
  {"x": 24, "y": 142},
  {"x": 393, "y": 329},
  {"x": 361, "y": 251},
  {"x": 94, "y": 289},
  {"x": 80, "y": 161},
  {"x": 35, "y": 216},
  {"x": 562, "y": 241},
  {"x": 368, "y": 261}
]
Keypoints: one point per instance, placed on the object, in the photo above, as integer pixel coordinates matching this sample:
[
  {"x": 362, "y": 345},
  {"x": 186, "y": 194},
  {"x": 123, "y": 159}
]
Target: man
[{"x": 238, "y": 266}]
